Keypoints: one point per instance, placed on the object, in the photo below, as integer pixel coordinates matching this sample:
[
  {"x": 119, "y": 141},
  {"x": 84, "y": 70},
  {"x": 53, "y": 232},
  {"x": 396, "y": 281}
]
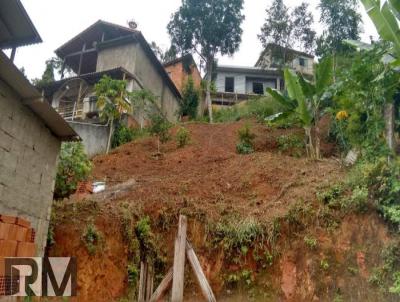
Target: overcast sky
[{"x": 59, "y": 20}]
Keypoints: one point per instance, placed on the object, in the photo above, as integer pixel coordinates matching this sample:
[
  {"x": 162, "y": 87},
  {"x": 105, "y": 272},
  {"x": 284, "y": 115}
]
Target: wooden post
[
  {"x": 179, "y": 261},
  {"x": 149, "y": 282},
  {"x": 163, "y": 287},
  {"x": 81, "y": 59},
  {"x": 198, "y": 271},
  {"x": 142, "y": 282}
]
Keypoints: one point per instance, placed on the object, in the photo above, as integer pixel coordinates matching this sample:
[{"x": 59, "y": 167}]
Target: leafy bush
[
  {"x": 121, "y": 136},
  {"x": 160, "y": 127},
  {"x": 73, "y": 167},
  {"x": 259, "y": 108},
  {"x": 190, "y": 99},
  {"x": 92, "y": 238},
  {"x": 182, "y": 137},
  {"x": 246, "y": 140},
  {"x": 291, "y": 143}
]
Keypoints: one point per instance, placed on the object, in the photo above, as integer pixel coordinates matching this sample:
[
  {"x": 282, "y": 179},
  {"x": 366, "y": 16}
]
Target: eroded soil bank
[{"x": 254, "y": 221}]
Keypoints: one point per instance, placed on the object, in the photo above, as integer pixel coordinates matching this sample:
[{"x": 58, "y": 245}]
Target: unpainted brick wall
[{"x": 28, "y": 159}]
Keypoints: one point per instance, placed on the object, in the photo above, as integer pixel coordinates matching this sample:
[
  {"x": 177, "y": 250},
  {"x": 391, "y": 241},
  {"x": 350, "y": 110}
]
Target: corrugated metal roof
[
  {"x": 16, "y": 28},
  {"x": 31, "y": 98}
]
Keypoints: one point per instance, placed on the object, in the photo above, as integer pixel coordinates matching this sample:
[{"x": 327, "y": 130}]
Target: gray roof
[
  {"x": 31, "y": 98},
  {"x": 16, "y": 28}
]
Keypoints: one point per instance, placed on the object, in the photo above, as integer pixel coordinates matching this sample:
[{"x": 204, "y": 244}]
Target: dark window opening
[
  {"x": 229, "y": 84},
  {"x": 258, "y": 88},
  {"x": 302, "y": 62},
  {"x": 282, "y": 84}
]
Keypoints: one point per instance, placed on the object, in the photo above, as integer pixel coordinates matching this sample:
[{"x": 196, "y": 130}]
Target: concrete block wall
[
  {"x": 28, "y": 159},
  {"x": 94, "y": 137}
]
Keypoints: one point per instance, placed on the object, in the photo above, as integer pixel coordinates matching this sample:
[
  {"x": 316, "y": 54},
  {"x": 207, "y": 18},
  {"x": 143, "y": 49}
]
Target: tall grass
[{"x": 258, "y": 108}]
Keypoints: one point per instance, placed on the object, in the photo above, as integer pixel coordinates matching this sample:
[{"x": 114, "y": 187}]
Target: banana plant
[
  {"x": 305, "y": 100},
  {"x": 386, "y": 18}
]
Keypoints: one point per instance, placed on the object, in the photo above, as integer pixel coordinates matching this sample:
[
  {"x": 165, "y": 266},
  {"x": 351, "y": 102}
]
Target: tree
[
  {"x": 160, "y": 128},
  {"x": 342, "y": 21},
  {"x": 164, "y": 56},
  {"x": 305, "y": 100},
  {"x": 140, "y": 100},
  {"x": 190, "y": 99},
  {"x": 207, "y": 27},
  {"x": 53, "y": 65},
  {"x": 288, "y": 29},
  {"x": 112, "y": 101}
]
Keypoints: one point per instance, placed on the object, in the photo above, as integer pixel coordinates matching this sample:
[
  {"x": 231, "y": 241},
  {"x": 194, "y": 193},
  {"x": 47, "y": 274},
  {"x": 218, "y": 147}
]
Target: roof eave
[{"x": 31, "y": 98}]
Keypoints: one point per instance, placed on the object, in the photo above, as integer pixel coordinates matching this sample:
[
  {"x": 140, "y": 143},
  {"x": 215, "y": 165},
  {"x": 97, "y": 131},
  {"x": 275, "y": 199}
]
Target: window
[
  {"x": 303, "y": 62},
  {"x": 258, "y": 88},
  {"x": 229, "y": 84}
]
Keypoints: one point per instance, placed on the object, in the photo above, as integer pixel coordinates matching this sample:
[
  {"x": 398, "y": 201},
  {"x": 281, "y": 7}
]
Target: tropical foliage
[
  {"x": 73, "y": 167},
  {"x": 112, "y": 101},
  {"x": 306, "y": 100}
]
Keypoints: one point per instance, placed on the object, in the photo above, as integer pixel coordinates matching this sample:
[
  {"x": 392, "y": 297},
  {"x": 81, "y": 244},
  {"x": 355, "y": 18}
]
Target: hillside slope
[{"x": 254, "y": 220}]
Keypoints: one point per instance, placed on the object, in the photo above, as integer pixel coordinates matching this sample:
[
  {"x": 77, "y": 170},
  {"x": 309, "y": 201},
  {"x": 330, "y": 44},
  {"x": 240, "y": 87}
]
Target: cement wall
[
  {"x": 28, "y": 159},
  {"x": 119, "y": 56},
  {"x": 152, "y": 80},
  {"x": 243, "y": 85},
  {"x": 134, "y": 59},
  {"x": 94, "y": 137}
]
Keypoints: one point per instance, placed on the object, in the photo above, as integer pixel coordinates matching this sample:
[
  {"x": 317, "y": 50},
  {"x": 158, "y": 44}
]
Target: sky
[{"x": 57, "y": 21}]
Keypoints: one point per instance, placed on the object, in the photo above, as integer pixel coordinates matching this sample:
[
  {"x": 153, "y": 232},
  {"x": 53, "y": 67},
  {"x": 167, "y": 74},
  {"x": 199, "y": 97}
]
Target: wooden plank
[
  {"x": 149, "y": 282},
  {"x": 164, "y": 286},
  {"x": 179, "y": 261},
  {"x": 142, "y": 281},
  {"x": 198, "y": 271}
]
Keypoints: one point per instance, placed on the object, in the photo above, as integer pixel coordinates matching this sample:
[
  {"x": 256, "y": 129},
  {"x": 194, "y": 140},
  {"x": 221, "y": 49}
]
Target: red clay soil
[
  {"x": 209, "y": 178},
  {"x": 209, "y": 175}
]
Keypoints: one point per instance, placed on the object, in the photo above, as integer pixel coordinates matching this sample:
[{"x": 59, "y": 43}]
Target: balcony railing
[{"x": 70, "y": 110}]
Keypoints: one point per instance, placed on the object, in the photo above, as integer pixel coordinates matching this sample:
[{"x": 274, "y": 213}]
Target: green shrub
[
  {"x": 311, "y": 242},
  {"x": 92, "y": 238},
  {"x": 290, "y": 142},
  {"x": 133, "y": 273},
  {"x": 182, "y": 137},
  {"x": 160, "y": 127},
  {"x": 246, "y": 140},
  {"x": 190, "y": 99},
  {"x": 123, "y": 135},
  {"x": 73, "y": 167}
]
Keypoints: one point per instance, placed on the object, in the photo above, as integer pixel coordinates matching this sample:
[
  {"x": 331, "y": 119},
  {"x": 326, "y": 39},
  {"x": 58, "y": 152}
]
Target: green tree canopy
[
  {"x": 342, "y": 22},
  {"x": 207, "y": 27},
  {"x": 288, "y": 29}
]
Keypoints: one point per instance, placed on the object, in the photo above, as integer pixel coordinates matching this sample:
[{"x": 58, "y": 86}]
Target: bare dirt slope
[{"x": 209, "y": 173}]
